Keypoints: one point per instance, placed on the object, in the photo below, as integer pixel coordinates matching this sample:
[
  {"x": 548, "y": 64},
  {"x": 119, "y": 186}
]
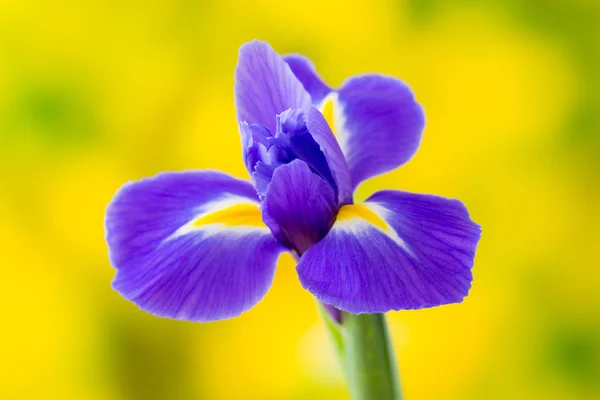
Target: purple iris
[{"x": 203, "y": 246}]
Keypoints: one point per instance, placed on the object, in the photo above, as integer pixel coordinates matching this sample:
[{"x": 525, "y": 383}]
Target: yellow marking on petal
[
  {"x": 351, "y": 211},
  {"x": 237, "y": 215},
  {"x": 328, "y": 113}
]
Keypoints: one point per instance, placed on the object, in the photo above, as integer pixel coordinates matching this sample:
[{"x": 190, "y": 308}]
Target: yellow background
[{"x": 93, "y": 94}]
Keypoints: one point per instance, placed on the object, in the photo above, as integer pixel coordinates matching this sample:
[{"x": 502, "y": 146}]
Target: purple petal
[
  {"x": 295, "y": 138},
  {"x": 378, "y": 124},
  {"x": 253, "y": 144},
  {"x": 306, "y": 72},
  {"x": 265, "y": 86},
  {"x": 293, "y": 141},
  {"x": 396, "y": 251},
  {"x": 299, "y": 207},
  {"x": 321, "y": 133},
  {"x": 300, "y": 134},
  {"x": 190, "y": 245}
]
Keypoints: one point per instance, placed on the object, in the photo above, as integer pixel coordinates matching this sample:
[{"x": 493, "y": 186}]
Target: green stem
[
  {"x": 369, "y": 358},
  {"x": 363, "y": 345}
]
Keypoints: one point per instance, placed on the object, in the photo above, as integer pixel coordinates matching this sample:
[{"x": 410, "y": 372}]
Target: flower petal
[
  {"x": 299, "y": 207},
  {"x": 292, "y": 141},
  {"x": 321, "y": 133},
  {"x": 306, "y": 72},
  {"x": 265, "y": 86},
  {"x": 252, "y": 148},
  {"x": 190, "y": 245},
  {"x": 378, "y": 124},
  {"x": 396, "y": 251},
  {"x": 300, "y": 134}
]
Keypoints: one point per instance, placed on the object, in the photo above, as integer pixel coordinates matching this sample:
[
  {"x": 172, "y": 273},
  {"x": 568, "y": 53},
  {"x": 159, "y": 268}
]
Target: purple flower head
[{"x": 202, "y": 245}]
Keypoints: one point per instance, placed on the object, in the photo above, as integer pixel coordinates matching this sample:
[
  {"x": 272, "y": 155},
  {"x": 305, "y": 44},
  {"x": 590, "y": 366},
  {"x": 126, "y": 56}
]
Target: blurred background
[{"x": 96, "y": 93}]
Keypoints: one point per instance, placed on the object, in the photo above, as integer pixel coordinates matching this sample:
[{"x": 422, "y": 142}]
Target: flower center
[{"x": 292, "y": 141}]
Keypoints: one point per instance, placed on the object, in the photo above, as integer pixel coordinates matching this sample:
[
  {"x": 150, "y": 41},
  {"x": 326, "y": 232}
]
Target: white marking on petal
[
  {"x": 219, "y": 204},
  {"x": 384, "y": 213},
  {"x": 223, "y": 203}
]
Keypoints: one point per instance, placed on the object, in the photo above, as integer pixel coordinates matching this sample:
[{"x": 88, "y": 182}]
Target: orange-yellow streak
[
  {"x": 237, "y": 215},
  {"x": 351, "y": 211},
  {"x": 328, "y": 114}
]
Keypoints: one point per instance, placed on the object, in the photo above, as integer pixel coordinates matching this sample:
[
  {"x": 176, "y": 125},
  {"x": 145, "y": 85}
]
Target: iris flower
[{"x": 203, "y": 246}]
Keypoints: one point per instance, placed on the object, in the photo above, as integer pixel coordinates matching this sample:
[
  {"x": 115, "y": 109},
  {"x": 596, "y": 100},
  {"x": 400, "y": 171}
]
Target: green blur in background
[{"x": 93, "y": 94}]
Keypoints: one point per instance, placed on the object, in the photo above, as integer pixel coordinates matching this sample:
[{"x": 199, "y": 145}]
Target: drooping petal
[
  {"x": 377, "y": 122},
  {"x": 299, "y": 207},
  {"x": 306, "y": 72},
  {"x": 190, "y": 245},
  {"x": 396, "y": 251},
  {"x": 265, "y": 85},
  {"x": 322, "y": 134}
]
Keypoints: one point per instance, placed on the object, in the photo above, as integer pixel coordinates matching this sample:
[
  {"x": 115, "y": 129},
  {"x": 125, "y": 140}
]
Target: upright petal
[
  {"x": 190, "y": 245},
  {"x": 322, "y": 134},
  {"x": 253, "y": 147},
  {"x": 300, "y": 134},
  {"x": 292, "y": 141},
  {"x": 378, "y": 124},
  {"x": 300, "y": 206},
  {"x": 396, "y": 251},
  {"x": 294, "y": 135},
  {"x": 306, "y": 72},
  {"x": 265, "y": 86}
]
